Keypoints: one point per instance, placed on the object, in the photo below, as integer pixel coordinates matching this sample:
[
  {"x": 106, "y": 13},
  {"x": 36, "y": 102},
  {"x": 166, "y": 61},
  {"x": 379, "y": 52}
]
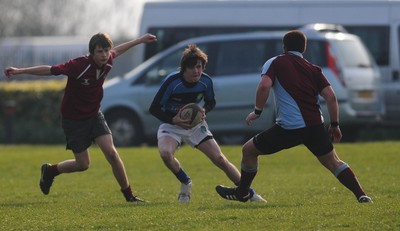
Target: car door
[{"x": 236, "y": 73}]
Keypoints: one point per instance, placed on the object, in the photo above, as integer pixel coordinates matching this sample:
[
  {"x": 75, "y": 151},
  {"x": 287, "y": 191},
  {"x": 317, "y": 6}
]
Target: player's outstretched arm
[
  {"x": 42, "y": 70},
  {"x": 262, "y": 95},
  {"x": 147, "y": 38}
]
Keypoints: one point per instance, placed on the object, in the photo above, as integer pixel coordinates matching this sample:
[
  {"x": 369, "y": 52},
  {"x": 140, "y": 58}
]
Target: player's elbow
[
  {"x": 330, "y": 98},
  {"x": 265, "y": 83},
  {"x": 263, "y": 87}
]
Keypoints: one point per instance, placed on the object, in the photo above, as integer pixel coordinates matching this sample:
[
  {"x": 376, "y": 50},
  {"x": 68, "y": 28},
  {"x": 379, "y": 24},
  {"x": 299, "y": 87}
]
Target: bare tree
[{"x": 71, "y": 17}]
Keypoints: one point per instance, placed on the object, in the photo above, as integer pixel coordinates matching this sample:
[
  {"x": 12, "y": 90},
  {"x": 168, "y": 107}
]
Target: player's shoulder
[
  {"x": 71, "y": 63},
  {"x": 268, "y": 63},
  {"x": 171, "y": 79},
  {"x": 172, "y": 76},
  {"x": 83, "y": 58},
  {"x": 280, "y": 58},
  {"x": 78, "y": 61},
  {"x": 206, "y": 77}
]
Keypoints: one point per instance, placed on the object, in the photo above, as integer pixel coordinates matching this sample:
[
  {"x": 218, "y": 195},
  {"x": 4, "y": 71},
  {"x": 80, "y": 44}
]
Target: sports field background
[{"x": 301, "y": 194}]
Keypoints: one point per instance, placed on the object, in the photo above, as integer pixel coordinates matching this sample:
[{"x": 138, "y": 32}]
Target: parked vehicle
[
  {"x": 376, "y": 22},
  {"x": 235, "y": 61}
]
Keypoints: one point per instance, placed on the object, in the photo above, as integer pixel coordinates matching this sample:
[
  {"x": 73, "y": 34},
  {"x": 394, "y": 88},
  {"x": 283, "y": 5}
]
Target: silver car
[{"x": 235, "y": 61}]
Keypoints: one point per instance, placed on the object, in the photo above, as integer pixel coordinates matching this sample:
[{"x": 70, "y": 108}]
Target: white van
[
  {"x": 376, "y": 22},
  {"x": 235, "y": 62}
]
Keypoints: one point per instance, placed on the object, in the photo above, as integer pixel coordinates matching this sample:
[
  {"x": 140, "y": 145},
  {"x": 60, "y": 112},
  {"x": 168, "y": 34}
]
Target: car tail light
[{"x": 331, "y": 60}]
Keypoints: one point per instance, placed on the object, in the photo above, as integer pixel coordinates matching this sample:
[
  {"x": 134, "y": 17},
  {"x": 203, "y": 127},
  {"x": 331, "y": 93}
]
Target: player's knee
[
  {"x": 166, "y": 156},
  {"x": 247, "y": 153},
  {"x": 112, "y": 155},
  {"x": 83, "y": 166},
  {"x": 221, "y": 161}
]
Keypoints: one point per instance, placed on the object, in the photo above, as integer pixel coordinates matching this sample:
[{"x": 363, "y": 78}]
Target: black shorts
[
  {"x": 81, "y": 133},
  {"x": 315, "y": 138}
]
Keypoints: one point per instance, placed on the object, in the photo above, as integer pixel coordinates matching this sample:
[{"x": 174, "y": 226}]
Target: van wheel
[{"x": 125, "y": 127}]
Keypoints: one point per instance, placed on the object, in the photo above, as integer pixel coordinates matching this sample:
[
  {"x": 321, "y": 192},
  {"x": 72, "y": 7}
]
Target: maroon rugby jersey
[{"x": 84, "y": 89}]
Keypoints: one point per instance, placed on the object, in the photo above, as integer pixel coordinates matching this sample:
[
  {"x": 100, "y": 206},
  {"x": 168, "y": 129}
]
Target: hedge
[{"x": 30, "y": 112}]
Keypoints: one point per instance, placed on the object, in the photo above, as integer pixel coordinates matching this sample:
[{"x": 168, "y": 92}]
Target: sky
[{"x": 121, "y": 19}]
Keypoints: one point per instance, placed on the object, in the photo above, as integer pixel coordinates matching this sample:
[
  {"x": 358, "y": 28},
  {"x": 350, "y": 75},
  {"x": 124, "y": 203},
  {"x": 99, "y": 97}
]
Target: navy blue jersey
[{"x": 175, "y": 92}]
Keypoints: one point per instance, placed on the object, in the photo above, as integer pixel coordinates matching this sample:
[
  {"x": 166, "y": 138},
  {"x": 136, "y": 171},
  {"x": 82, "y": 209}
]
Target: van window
[
  {"x": 168, "y": 36},
  {"x": 376, "y": 38}
]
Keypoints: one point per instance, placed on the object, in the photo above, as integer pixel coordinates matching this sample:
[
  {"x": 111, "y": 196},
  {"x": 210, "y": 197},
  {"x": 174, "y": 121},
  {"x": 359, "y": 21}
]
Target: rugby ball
[{"x": 193, "y": 112}]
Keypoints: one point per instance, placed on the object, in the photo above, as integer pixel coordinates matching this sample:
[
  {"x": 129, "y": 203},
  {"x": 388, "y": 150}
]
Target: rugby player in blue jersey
[
  {"x": 297, "y": 85},
  {"x": 189, "y": 85}
]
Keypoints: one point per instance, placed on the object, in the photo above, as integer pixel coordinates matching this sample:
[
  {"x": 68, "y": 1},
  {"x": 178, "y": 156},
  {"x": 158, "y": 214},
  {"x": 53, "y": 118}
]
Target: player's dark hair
[
  {"x": 191, "y": 55},
  {"x": 295, "y": 41},
  {"x": 100, "y": 39}
]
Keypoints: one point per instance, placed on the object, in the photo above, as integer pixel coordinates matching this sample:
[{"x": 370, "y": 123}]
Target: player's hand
[
  {"x": 148, "y": 38},
  {"x": 203, "y": 111},
  {"x": 9, "y": 71},
  {"x": 177, "y": 120},
  {"x": 252, "y": 116},
  {"x": 335, "y": 134}
]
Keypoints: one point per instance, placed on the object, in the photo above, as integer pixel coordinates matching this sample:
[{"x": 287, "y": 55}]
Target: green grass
[{"x": 301, "y": 194}]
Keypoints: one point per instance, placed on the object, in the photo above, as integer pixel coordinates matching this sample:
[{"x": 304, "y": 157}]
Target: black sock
[
  {"x": 245, "y": 182},
  {"x": 127, "y": 193},
  {"x": 53, "y": 170}
]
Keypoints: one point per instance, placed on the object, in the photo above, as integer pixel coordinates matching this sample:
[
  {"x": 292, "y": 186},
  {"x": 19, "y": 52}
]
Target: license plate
[{"x": 366, "y": 94}]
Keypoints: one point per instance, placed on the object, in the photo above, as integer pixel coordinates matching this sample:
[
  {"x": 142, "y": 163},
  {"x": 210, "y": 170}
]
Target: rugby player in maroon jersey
[{"x": 82, "y": 120}]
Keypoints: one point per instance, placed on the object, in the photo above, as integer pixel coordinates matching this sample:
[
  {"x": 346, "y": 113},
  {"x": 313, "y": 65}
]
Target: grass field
[{"x": 301, "y": 194}]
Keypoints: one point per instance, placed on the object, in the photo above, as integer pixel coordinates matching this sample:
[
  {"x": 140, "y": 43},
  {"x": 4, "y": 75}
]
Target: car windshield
[{"x": 353, "y": 54}]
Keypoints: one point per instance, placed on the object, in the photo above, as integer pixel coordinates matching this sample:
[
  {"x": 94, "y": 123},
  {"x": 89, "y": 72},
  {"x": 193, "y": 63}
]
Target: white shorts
[{"x": 192, "y": 136}]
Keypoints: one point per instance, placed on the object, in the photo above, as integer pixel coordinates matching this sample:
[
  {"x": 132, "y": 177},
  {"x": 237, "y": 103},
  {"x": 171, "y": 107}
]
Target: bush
[{"x": 30, "y": 112}]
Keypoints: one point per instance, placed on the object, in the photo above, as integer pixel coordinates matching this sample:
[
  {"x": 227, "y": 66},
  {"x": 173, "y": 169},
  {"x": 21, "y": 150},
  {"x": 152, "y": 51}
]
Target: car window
[
  {"x": 168, "y": 36},
  {"x": 316, "y": 53},
  {"x": 353, "y": 53},
  {"x": 166, "y": 65},
  {"x": 239, "y": 57},
  {"x": 162, "y": 68}
]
